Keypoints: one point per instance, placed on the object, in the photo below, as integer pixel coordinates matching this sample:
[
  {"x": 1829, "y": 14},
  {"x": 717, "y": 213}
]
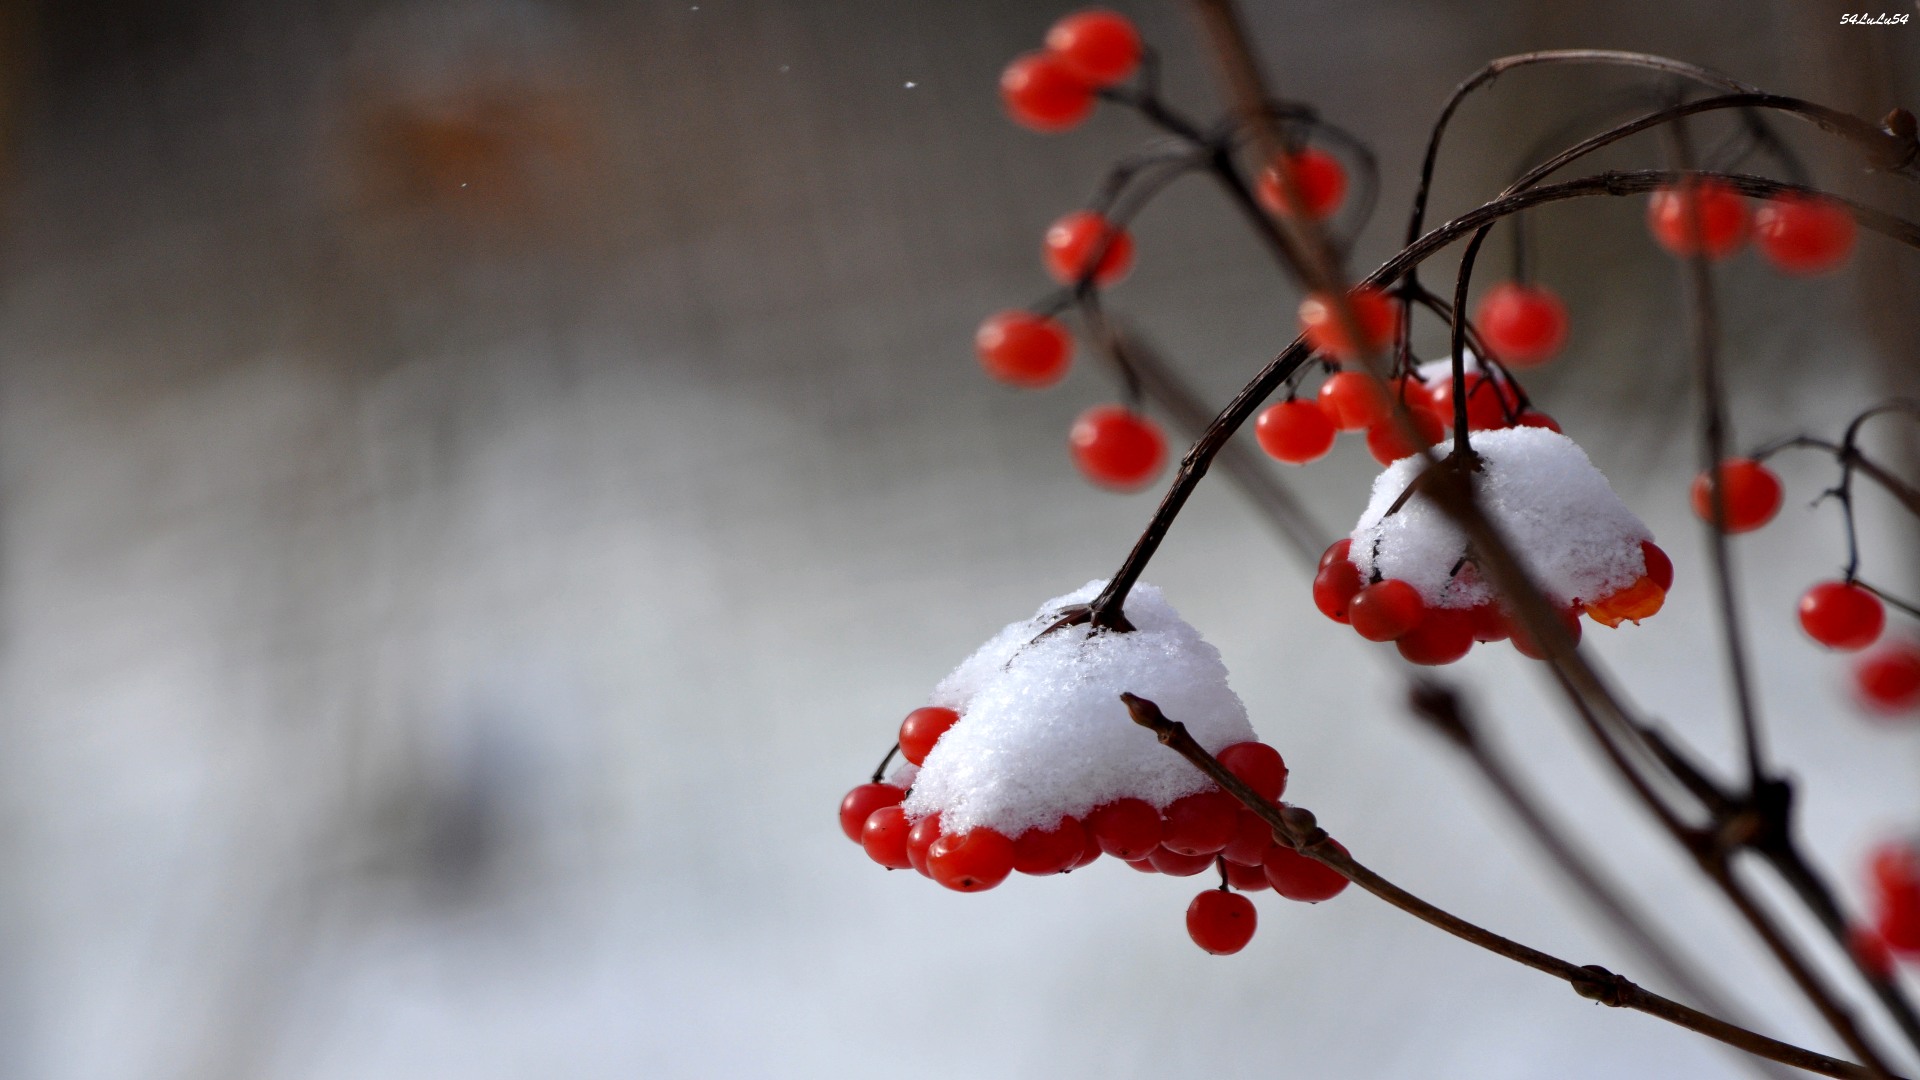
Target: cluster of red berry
[
  {"x": 1391, "y": 610},
  {"x": 1189, "y": 835},
  {"x": 1796, "y": 233},
  {"x": 1840, "y": 614},
  {"x": 1522, "y": 325}
]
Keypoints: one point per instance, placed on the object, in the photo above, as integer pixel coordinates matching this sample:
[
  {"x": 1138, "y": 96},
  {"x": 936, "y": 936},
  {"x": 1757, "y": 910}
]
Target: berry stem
[
  {"x": 1297, "y": 828},
  {"x": 880, "y": 771}
]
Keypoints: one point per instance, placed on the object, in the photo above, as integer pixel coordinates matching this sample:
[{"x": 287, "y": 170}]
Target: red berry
[
  {"x": 862, "y": 802},
  {"x": 1353, "y": 402},
  {"x": 1841, "y": 615},
  {"x": 1523, "y": 325},
  {"x": 1899, "y": 923},
  {"x": 1803, "y": 235},
  {"x": 1489, "y": 623},
  {"x": 1076, "y": 240},
  {"x": 1895, "y": 867},
  {"x": 1100, "y": 47},
  {"x": 1199, "y": 824},
  {"x": 1530, "y": 418},
  {"x": 1117, "y": 448},
  {"x": 1334, "y": 588},
  {"x": 919, "y": 839},
  {"x": 885, "y": 838},
  {"x": 1092, "y": 853},
  {"x": 1144, "y": 865},
  {"x": 1251, "y": 839},
  {"x": 1258, "y": 765},
  {"x": 1251, "y": 877},
  {"x": 1336, "y": 552},
  {"x": 1720, "y": 210},
  {"x": 1041, "y": 92},
  {"x": 1751, "y": 491},
  {"x": 1297, "y": 877},
  {"x": 973, "y": 861},
  {"x": 1489, "y": 402},
  {"x": 1387, "y": 445},
  {"x": 1386, "y": 609},
  {"x": 1024, "y": 349},
  {"x": 1444, "y": 636},
  {"x": 1523, "y": 641},
  {"x": 1295, "y": 432},
  {"x": 1050, "y": 851},
  {"x": 1177, "y": 864},
  {"x": 1659, "y": 567},
  {"x": 922, "y": 728},
  {"x": 1377, "y": 316},
  {"x": 1889, "y": 680},
  {"x": 1316, "y": 176},
  {"x": 1221, "y": 922},
  {"x": 1125, "y": 828}
]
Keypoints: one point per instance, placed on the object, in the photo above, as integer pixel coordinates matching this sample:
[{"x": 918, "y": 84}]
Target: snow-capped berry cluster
[
  {"x": 1407, "y": 575},
  {"x": 1028, "y": 761}
]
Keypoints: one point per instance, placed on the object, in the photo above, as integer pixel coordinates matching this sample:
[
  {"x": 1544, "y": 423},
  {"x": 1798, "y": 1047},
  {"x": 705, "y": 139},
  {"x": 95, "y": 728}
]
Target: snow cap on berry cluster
[
  {"x": 1575, "y": 537},
  {"x": 1434, "y": 372},
  {"x": 1043, "y": 733}
]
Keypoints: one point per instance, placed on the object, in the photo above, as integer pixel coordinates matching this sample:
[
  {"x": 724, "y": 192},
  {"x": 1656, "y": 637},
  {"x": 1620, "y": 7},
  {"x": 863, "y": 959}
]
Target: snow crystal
[
  {"x": 1043, "y": 733},
  {"x": 1575, "y": 537},
  {"x": 1434, "y": 372}
]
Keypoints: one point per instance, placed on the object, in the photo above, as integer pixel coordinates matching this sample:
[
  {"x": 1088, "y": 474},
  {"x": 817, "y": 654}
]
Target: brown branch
[{"x": 1298, "y": 829}]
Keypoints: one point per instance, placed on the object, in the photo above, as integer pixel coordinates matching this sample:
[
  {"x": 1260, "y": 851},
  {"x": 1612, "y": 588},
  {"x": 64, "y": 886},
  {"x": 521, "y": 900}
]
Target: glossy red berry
[
  {"x": 1125, "y": 828},
  {"x": 1041, "y": 92},
  {"x": 1444, "y": 636},
  {"x": 1524, "y": 642},
  {"x": 1751, "y": 491},
  {"x": 1249, "y": 877},
  {"x": 1841, "y": 615},
  {"x": 1199, "y": 824},
  {"x": 1297, "y": 877},
  {"x": 1803, "y": 235},
  {"x": 973, "y": 861},
  {"x": 1336, "y": 552},
  {"x": 920, "y": 838},
  {"x": 1387, "y": 445},
  {"x": 1251, "y": 839},
  {"x": 1659, "y": 567},
  {"x": 1100, "y": 47},
  {"x": 1894, "y": 867},
  {"x": 1074, "y": 242},
  {"x": 1117, "y": 448},
  {"x": 1178, "y": 864},
  {"x": 1258, "y": 765},
  {"x": 1295, "y": 432},
  {"x": 1720, "y": 211},
  {"x": 861, "y": 802},
  {"x": 1377, "y": 316},
  {"x": 1489, "y": 402},
  {"x": 1221, "y": 922},
  {"x": 1024, "y": 349},
  {"x": 1353, "y": 402},
  {"x": 1050, "y": 851},
  {"x": 1386, "y": 609},
  {"x": 922, "y": 728},
  {"x": 1889, "y": 680},
  {"x": 1317, "y": 177},
  {"x": 1092, "y": 853},
  {"x": 885, "y": 838},
  {"x": 1524, "y": 325}
]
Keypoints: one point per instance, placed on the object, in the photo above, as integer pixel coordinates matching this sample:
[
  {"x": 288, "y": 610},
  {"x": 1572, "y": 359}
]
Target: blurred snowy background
[{"x": 479, "y": 480}]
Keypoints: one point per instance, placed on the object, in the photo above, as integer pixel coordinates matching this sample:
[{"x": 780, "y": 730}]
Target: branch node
[{"x": 1596, "y": 983}]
